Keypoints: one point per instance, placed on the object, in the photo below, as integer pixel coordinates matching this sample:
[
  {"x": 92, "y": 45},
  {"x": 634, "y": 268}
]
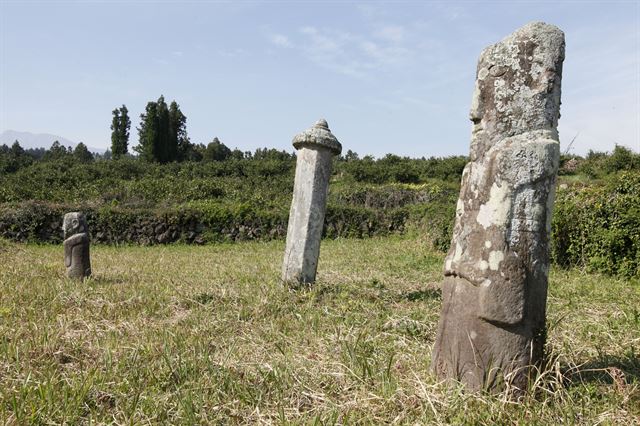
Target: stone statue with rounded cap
[{"x": 316, "y": 147}]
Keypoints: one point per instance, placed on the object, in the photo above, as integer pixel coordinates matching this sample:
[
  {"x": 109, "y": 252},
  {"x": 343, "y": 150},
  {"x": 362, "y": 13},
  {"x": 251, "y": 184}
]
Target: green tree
[
  {"x": 120, "y": 125},
  {"x": 165, "y": 153},
  {"x": 236, "y": 154},
  {"x": 56, "y": 152},
  {"x": 163, "y": 133},
  {"x": 272, "y": 154},
  {"x": 16, "y": 150},
  {"x": 216, "y": 151},
  {"x": 82, "y": 154},
  {"x": 622, "y": 158},
  {"x": 181, "y": 146},
  {"x": 13, "y": 158},
  {"x": 351, "y": 156},
  {"x": 147, "y": 132}
]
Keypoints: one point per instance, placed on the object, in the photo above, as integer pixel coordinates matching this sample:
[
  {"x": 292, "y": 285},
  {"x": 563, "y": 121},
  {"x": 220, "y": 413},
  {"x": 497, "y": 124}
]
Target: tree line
[{"x": 162, "y": 136}]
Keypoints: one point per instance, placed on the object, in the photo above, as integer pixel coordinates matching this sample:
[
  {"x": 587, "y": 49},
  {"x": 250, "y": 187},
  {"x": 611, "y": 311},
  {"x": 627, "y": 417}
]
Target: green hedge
[
  {"x": 193, "y": 223},
  {"x": 597, "y": 227}
]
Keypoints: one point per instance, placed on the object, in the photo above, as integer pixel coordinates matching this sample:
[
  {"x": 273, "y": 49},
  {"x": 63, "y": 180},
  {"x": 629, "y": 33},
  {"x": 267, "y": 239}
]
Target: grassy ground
[{"x": 192, "y": 335}]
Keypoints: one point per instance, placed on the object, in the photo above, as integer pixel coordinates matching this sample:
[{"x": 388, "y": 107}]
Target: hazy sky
[{"x": 388, "y": 76}]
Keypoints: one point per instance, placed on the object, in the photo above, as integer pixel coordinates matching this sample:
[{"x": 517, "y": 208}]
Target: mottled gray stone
[
  {"x": 76, "y": 245},
  {"x": 492, "y": 326},
  {"x": 316, "y": 147}
]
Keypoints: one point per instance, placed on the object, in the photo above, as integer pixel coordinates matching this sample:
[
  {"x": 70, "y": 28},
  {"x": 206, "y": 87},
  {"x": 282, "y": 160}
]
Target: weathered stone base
[
  {"x": 79, "y": 254},
  {"x": 478, "y": 353}
]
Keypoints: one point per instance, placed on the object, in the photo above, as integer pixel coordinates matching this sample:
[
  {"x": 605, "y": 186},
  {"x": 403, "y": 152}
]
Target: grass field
[{"x": 193, "y": 335}]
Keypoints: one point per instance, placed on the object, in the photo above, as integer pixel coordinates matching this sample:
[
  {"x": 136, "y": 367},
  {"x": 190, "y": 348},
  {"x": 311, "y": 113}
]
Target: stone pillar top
[
  {"x": 518, "y": 87},
  {"x": 319, "y": 135}
]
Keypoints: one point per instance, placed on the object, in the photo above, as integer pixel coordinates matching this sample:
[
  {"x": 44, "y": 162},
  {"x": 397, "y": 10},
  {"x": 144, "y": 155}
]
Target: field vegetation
[
  {"x": 227, "y": 195},
  {"x": 202, "y": 331},
  {"x": 179, "y": 334}
]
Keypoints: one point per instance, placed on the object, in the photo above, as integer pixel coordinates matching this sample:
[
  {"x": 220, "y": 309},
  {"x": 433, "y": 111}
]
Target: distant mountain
[{"x": 37, "y": 140}]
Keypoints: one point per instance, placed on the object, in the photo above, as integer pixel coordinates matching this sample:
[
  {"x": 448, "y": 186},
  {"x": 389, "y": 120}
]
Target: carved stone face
[
  {"x": 517, "y": 88},
  {"x": 74, "y": 223}
]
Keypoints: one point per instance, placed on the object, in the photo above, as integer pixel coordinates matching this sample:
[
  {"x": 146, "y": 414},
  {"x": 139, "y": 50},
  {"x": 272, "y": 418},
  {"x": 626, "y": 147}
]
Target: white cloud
[
  {"x": 326, "y": 41},
  {"x": 385, "y": 54},
  {"x": 308, "y": 30},
  {"x": 392, "y": 33},
  {"x": 351, "y": 54},
  {"x": 332, "y": 50},
  {"x": 371, "y": 11},
  {"x": 280, "y": 40},
  {"x": 232, "y": 53}
]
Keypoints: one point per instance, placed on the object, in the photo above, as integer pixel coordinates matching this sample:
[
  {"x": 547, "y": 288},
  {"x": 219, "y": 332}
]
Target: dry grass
[{"x": 192, "y": 335}]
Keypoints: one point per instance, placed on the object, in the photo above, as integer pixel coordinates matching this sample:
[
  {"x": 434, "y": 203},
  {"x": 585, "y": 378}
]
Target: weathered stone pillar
[
  {"x": 316, "y": 147},
  {"x": 76, "y": 245},
  {"x": 492, "y": 326}
]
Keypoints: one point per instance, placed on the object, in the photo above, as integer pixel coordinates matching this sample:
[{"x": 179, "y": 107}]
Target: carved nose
[{"x": 475, "y": 114}]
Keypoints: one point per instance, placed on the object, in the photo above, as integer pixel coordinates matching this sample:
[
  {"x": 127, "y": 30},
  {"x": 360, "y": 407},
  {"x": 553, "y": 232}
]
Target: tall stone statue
[
  {"x": 492, "y": 326},
  {"x": 76, "y": 245},
  {"x": 316, "y": 148}
]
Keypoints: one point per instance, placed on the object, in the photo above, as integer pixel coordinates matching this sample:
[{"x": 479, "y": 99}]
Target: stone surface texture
[
  {"x": 492, "y": 326},
  {"x": 76, "y": 245},
  {"x": 316, "y": 147}
]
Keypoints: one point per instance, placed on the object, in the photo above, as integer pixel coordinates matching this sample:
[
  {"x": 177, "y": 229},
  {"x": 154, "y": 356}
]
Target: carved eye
[{"x": 497, "y": 70}]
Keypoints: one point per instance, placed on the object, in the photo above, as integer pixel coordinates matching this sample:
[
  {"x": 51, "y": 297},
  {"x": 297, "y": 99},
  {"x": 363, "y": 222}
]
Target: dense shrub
[
  {"x": 392, "y": 195},
  {"x": 394, "y": 169},
  {"x": 435, "y": 222},
  {"x": 230, "y": 209},
  {"x": 598, "y": 226},
  {"x": 596, "y": 223},
  {"x": 131, "y": 181},
  {"x": 599, "y": 164},
  {"x": 196, "y": 222}
]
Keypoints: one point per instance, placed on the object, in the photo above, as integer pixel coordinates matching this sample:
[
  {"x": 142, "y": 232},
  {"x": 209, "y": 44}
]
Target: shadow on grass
[
  {"x": 318, "y": 292},
  {"x": 100, "y": 279},
  {"x": 607, "y": 370},
  {"x": 428, "y": 293},
  {"x": 371, "y": 291}
]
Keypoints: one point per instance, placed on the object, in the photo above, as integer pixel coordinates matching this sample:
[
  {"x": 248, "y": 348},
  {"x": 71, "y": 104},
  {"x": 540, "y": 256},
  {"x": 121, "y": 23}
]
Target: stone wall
[{"x": 42, "y": 223}]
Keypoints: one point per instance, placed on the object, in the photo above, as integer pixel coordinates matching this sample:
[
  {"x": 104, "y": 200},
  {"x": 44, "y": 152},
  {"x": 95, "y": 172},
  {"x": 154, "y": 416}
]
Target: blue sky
[{"x": 388, "y": 76}]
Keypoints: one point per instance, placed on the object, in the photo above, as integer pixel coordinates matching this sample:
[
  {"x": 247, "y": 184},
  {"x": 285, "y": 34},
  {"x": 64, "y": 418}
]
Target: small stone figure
[
  {"x": 76, "y": 245},
  {"x": 316, "y": 148},
  {"x": 492, "y": 326}
]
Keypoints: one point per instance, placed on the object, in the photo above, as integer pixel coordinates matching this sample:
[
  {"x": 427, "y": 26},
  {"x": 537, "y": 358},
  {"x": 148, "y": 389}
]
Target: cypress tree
[
  {"x": 147, "y": 133},
  {"x": 82, "y": 154},
  {"x": 163, "y": 133},
  {"x": 120, "y": 125},
  {"x": 179, "y": 141}
]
